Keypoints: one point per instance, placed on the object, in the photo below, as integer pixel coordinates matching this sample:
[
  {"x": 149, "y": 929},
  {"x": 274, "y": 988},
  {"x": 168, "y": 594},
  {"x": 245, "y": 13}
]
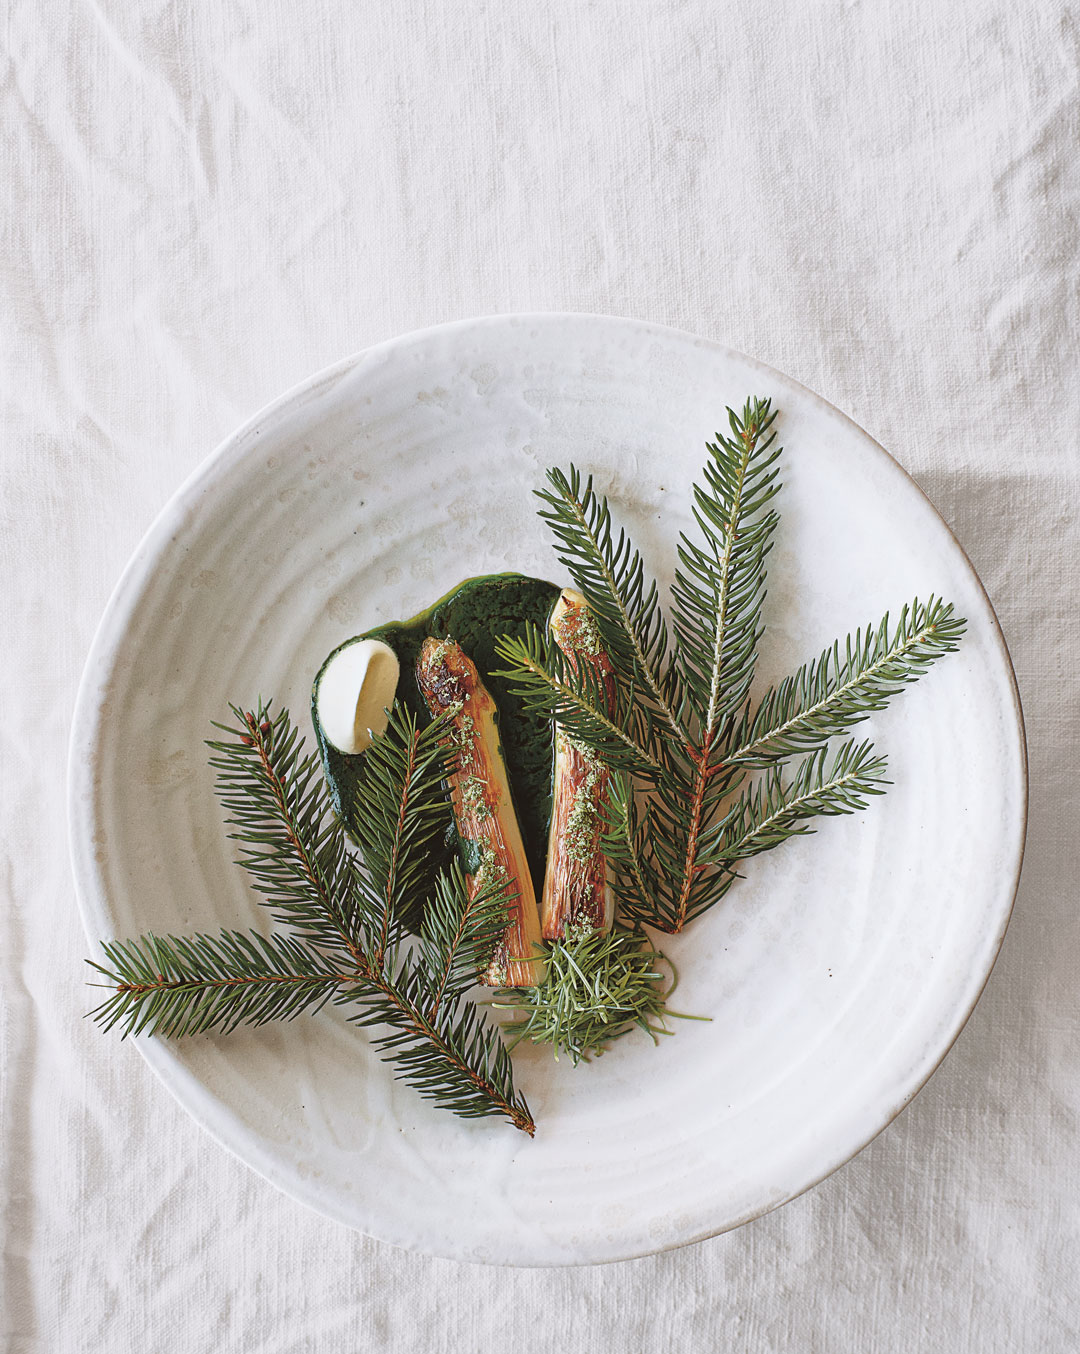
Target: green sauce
[{"x": 476, "y": 614}]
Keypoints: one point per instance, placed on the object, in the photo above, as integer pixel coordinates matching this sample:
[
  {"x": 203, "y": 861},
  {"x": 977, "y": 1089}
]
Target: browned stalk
[
  {"x": 483, "y": 809},
  {"x": 577, "y": 891}
]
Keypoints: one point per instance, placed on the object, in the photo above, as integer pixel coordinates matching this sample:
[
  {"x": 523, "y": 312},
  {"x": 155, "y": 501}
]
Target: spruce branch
[
  {"x": 682, "y": 816},
  {"x": 347, "y": 915},
  {"x": 400, "y": 812},
  {"x": 687, "y": 733},
  {"x": 446, "y": 1051},
  {"x": 458, "y": 936},
  {"x": 628, "y": 841}
]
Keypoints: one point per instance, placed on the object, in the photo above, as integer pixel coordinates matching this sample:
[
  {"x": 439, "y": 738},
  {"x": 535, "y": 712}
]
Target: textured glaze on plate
[{"x": 836, "y": 974}]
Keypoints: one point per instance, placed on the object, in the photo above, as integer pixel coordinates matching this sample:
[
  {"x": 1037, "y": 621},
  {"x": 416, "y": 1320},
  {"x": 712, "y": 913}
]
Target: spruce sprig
[
  {"x": 611, "y": 575},
  {"x": 846, "y": 684},
  {"x": 718, "y": 591},
  {"x": 274, "y": 799},
  {"x": 777, "y": 807},
  {"x": 347, "y": 917},
  {"x": 183, "y": 985},
  {"x": 685, "y": 733}
]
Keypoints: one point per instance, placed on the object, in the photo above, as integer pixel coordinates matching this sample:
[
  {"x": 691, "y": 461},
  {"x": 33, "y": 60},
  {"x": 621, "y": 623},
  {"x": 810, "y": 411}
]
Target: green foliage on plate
[{"x": 704, "y": 776}]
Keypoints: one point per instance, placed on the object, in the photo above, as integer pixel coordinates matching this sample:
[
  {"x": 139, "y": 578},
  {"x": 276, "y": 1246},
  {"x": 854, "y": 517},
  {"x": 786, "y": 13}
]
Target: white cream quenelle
[{"x": 355, "y": 692}]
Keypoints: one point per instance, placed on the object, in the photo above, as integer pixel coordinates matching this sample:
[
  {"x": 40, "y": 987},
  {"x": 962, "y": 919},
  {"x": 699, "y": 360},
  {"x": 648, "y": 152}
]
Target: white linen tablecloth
[{"x": 204, "y": 203}]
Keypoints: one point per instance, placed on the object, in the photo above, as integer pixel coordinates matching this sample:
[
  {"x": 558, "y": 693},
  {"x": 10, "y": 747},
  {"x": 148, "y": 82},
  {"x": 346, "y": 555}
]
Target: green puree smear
[{"x": 475, "y": 614}]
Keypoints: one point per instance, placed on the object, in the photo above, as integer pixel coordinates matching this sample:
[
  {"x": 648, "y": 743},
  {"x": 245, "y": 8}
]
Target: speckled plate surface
[{"x": 836, "y": 975}]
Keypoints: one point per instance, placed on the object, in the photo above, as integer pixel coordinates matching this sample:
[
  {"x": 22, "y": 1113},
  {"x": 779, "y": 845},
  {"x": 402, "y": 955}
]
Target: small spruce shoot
[{"x": 599, "y": 986}]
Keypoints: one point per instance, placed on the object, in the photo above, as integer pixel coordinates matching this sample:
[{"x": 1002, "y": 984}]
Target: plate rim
[{"x": 103, "y": 651}]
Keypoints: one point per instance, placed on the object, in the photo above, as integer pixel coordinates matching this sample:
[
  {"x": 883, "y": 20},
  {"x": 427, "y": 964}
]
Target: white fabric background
[{"x": 204, "y": 203}]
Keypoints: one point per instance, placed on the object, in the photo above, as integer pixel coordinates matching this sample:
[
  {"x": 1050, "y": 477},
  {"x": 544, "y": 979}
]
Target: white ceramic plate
[{"x": 837, "y": 974}]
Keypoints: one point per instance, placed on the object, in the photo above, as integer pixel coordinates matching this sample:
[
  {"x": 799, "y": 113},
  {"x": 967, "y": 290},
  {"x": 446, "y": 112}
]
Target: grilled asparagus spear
[
  {"x": 577, "y": 892},
  {"x": 483, "y": 810}
]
